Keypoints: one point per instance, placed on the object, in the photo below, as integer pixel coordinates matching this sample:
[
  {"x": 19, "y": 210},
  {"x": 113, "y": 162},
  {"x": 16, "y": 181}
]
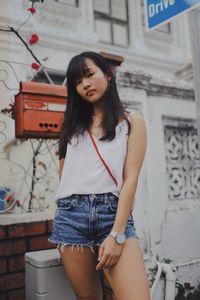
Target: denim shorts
[{"x": 86, "y": 220}]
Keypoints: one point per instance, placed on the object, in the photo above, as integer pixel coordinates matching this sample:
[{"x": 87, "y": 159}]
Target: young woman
[{"x": 101, "y": 151}]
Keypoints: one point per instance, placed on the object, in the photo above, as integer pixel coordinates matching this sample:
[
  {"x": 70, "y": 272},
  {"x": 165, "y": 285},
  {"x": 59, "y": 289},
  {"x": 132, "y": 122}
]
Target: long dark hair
[{"x": 78, "y": 114}]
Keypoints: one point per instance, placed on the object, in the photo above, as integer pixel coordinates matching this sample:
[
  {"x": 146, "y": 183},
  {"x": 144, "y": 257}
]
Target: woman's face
[{"x": 92, "y": 86}]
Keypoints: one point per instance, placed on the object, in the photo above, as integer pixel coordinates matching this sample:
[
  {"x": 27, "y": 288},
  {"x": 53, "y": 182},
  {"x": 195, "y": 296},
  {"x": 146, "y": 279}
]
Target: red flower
[
  {"x": 32, "y": 10},
  {"x": 17, "y": 202},
  {"x": 35, "y": 66},
  {"x": 9, "y": 198},
  {"x": 33, "y": 39}
]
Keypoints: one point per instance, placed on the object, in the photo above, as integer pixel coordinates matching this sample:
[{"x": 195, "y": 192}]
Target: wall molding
[{"x": 156, "y": 86}]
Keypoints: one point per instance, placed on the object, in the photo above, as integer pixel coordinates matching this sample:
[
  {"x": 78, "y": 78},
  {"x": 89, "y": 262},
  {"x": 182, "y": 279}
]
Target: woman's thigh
[
  {"x": 128, "y": 277},
  {"x": 80, "y": 266}
]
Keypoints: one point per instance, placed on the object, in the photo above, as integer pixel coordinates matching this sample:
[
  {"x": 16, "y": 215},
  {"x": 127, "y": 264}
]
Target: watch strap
[{"x": 113, "y": 233}]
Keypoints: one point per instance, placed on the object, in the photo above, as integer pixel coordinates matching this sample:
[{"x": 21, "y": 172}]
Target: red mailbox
[{"x": 38, "y": 110}]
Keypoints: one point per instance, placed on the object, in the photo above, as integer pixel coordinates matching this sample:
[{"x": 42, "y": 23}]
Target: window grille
[{"x": 182, "y": 159}]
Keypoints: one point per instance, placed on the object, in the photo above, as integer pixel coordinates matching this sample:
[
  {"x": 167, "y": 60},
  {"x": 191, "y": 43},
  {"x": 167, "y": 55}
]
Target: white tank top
[{"x": 83, "y": 171}]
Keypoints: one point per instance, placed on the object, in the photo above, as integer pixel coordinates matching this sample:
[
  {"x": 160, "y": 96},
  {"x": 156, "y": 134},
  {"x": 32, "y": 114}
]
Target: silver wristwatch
[{"x": 119, "y": 237}]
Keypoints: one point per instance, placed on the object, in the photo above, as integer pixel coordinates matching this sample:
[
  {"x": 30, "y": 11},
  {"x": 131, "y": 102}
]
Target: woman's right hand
[{"x": 109, "y": 253}]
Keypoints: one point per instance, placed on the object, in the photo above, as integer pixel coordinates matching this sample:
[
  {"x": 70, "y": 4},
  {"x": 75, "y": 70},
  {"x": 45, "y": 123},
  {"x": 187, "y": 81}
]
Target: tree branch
[
  {"x": 25, "y": 44},
  {"x": 7, "y": 30}
]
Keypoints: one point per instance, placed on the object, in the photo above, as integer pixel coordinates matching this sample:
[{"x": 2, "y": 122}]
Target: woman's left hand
[{"x": 109, "y": 253}]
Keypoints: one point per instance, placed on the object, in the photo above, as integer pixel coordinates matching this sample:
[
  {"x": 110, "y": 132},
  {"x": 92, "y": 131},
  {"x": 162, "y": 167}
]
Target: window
[
  {"x": 165, "y": 28},
  {"x": 111, "y": 21},
  {"x": 68, "y": 2}
]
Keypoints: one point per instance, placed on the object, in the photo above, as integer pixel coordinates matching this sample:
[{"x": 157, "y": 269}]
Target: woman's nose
[{"x": 85, "y": 83}]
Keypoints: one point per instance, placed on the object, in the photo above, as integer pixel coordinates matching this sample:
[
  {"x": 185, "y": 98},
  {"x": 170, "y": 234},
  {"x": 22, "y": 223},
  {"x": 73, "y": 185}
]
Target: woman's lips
[{"x": 89, "y": 93}]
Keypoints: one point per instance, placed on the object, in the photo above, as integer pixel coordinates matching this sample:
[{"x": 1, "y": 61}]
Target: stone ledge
[{"x": 8, "y": 219}]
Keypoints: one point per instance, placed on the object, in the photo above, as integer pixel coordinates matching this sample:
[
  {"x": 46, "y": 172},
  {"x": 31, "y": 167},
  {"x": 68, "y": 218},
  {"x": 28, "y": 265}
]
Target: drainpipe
[
  {"x": 170, "y": 281},
  {"x": 187, "y": 263},
  {"x": 169, "y": 270},
  {"x": 157, "y": 277}
]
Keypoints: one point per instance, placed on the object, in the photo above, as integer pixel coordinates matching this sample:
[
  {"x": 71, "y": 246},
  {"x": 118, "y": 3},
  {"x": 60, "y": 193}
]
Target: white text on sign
[{"x": 155, "y": 9}]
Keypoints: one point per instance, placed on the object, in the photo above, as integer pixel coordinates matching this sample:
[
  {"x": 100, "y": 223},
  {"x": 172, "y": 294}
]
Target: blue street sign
[{"x": 161, "y": 11}]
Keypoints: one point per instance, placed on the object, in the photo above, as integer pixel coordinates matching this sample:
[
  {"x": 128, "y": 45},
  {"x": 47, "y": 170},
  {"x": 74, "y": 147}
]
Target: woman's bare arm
[
  {"x": 61, "y": 163},
  {"x": 137, "y": 143}
]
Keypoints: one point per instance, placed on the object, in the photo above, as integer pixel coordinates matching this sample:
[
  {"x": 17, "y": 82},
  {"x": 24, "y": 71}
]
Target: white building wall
[{"x": 168, "y": 228}]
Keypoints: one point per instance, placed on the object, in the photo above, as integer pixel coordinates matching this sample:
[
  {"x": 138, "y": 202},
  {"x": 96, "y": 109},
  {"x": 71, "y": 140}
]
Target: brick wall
[{"x": 15, "y": 241}]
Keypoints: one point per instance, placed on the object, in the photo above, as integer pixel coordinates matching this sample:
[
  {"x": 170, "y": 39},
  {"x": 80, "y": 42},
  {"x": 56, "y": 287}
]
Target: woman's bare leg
[
  {"x": 128, "y": 277},
  {"x": 80, "y": 266}
]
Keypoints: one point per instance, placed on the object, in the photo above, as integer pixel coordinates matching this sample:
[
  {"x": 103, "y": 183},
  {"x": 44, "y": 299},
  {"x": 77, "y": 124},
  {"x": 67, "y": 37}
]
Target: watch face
[{"x": 120, "y": 238}]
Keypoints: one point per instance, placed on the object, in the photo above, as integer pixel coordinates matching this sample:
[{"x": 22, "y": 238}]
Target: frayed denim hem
[{"x": 61, "y": 245}]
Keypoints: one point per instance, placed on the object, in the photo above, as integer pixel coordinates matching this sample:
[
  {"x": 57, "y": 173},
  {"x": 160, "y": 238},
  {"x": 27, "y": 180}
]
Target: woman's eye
[{"x": 90, "y": 74}]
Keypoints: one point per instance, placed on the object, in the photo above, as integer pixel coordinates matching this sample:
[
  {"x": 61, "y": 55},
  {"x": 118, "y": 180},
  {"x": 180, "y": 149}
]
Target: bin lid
[{"x": 43, "y": 258}]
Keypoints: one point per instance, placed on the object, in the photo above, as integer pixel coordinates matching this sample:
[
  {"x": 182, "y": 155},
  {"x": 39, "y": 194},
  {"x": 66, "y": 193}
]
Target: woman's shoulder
[
  {"x": 130, "y": 115},
  {"x": 135, "y": 118}
]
